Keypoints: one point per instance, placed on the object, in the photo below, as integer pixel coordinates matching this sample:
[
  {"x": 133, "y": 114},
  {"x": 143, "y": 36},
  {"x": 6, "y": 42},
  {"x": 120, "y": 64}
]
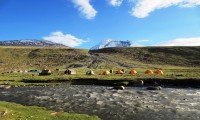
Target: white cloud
[
  {"x": 85, "y": 8},
  {"x": 66, "y": 39},
  {"x": 144, "y": 7},
  {"x": 182, "y": 42},
  {"x": 143, "y": 41},
  {"x": 115, "y": 3}
]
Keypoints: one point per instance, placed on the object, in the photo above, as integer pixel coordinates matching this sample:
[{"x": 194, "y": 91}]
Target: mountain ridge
[
  {"x": 114, "y": 43},
  {"x": 30, "y": 42}
]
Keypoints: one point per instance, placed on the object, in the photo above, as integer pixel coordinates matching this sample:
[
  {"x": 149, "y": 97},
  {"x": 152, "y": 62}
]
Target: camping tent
[
  {"x": 159, "y": 71},
  {"x": 123, "y": 70},
  {"x": 119, "y": 72},
  {"x": 45, "y": 72},
  {"x": 90, "y": 72},
  {"x": 106, "y": 72},
  {"x": 69, "y": 72},
  {"x": 133, "y": 72},
  {"x": 149, "y": 72}
]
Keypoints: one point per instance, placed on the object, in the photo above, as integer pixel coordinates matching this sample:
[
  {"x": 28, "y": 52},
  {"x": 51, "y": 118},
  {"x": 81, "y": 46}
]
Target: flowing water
[{"x": 133, "y": 103}]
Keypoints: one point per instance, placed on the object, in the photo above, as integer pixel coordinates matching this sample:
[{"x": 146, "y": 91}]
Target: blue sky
[{"x": 84, "y": 23}]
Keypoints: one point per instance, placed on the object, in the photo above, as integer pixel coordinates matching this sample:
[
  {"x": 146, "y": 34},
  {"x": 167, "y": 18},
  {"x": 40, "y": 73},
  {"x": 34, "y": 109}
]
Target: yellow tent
[
  {"x": 119, "y": 72},
  {"x": 149, "y": 72},
  {"x": 106, "y": 72},
  {"x": 133, "y": 72},
  {"x": 159, "y": 71}
]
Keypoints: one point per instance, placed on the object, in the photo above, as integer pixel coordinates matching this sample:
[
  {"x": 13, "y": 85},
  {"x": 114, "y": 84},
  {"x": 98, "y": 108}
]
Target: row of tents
[
  {"x": 106, "y": 72},
  {"x": 48, "y": 72}
]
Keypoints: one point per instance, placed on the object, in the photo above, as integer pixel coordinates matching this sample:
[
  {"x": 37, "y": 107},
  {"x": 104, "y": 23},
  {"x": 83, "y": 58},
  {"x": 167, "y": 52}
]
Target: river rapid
[{"x": 133, "y": 103}]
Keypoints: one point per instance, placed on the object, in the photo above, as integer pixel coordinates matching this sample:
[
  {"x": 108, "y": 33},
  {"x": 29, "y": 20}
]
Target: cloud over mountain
[{"x": 65, "y": 39}]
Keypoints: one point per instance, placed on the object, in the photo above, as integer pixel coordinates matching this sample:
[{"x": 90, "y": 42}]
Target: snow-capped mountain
[
  {"x": 30, "y": 42},
  {"x": 113, "y": 43}
]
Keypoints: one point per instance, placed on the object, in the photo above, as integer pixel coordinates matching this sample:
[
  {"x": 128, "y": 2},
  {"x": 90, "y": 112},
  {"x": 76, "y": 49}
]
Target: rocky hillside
[{"x": 50, "y": 57}]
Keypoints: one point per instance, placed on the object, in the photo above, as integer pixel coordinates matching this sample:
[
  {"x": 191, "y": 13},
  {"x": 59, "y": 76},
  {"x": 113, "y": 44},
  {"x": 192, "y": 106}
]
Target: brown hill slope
[
  {"x": 133, "y": 56},
  {"x": 16, "y": 58}
]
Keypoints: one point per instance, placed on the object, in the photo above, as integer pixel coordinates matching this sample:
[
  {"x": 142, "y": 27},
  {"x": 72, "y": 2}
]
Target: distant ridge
[{"x": 30, "y": 42}]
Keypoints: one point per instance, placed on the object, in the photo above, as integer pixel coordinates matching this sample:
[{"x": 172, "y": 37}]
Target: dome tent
[
  {"x": 119, "y": 72},
  {"x": 106, "y": 72},
  {"x": 69, "y": 72},
  {"x": 148, "y": 72},
  {"x": 159, "y": 71},
  {"x": 90, "y": 72},
  {"x": 45, "y": 72},
  {"x": 133, "y": 72}
]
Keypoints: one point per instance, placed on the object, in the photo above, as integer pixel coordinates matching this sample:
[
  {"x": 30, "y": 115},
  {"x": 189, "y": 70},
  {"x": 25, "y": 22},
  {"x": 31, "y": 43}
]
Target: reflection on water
[{"x": 131, "y": 103}]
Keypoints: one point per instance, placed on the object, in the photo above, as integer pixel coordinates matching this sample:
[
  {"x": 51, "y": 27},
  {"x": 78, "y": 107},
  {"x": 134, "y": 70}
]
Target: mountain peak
[
  {"x": 113, "y": 43},
  {"x": 30, "y": 42}
]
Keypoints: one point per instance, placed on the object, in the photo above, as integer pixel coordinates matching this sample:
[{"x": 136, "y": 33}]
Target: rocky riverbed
[{"x": 132, "y": 103}]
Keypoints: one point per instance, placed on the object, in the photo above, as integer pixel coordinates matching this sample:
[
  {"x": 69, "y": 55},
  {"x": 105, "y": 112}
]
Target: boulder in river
[
  {"x": 119, "y": 87},
  {"x": 154, "y": 88}
]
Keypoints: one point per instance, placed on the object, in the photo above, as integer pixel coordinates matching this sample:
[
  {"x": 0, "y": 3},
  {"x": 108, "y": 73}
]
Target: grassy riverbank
[
  {"x": 12, "y": 111},
  {"x": 173, "y": 74}
]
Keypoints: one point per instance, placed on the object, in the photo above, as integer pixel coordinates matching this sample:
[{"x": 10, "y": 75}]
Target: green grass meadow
[
  {"x": 169, "y": 73},
  {"x": 12, "y": 111}
]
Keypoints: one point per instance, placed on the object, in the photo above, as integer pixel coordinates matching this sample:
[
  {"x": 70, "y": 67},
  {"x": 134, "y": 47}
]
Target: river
[{"x": 133, "y": 103}]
